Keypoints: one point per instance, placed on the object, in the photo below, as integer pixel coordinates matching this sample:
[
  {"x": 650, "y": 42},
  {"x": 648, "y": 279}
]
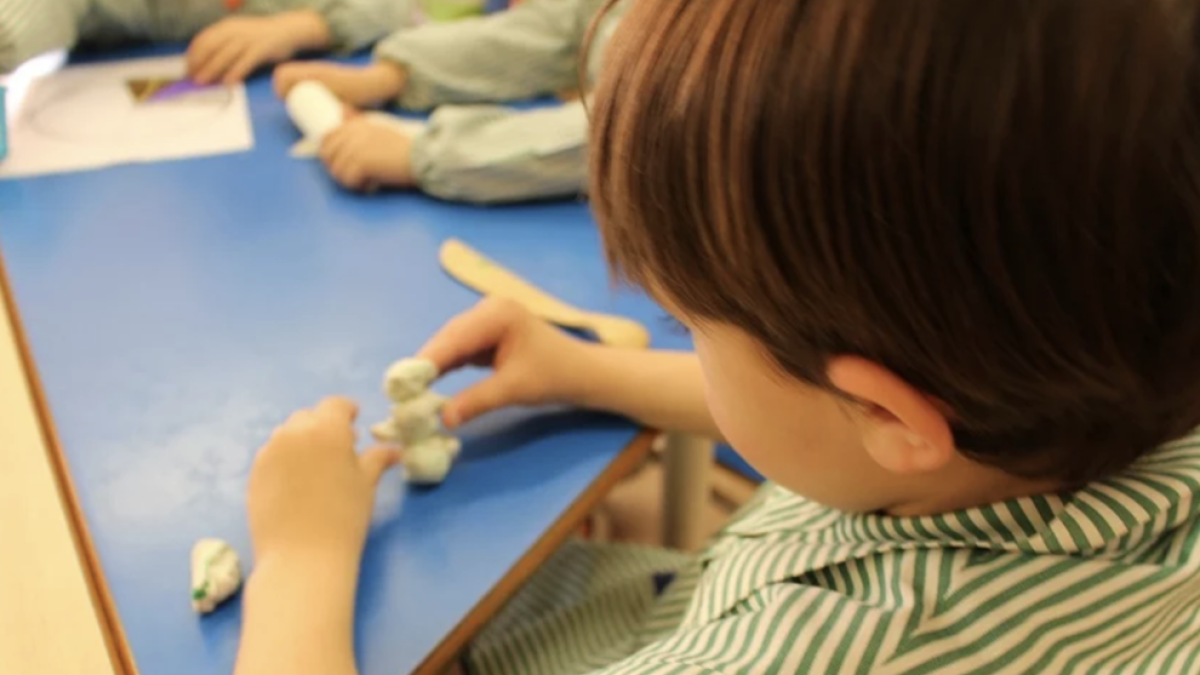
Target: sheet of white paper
[
  {"x": 306, "y": 148},
  {"x": 84, "y": 117}
]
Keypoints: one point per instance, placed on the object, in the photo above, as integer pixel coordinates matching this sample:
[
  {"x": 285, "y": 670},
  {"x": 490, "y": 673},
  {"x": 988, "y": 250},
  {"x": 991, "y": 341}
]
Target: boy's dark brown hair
[{"x": 997, "y": 199}]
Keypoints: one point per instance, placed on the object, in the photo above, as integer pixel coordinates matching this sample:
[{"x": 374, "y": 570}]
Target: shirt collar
[{"x": 1109, "y": 517}]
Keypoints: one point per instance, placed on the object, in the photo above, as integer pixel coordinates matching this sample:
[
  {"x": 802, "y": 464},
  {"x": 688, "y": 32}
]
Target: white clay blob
[
  {"x": 315, "y": 110},
  {"x": 418, "y": 418},
  {"x": 216, "y": 574},
  {"x": 428, "y": 462},
  {"x": 416, "y": 422},
  {"x": 408, "y": 378},
  {"x": 386, "y": 431}
]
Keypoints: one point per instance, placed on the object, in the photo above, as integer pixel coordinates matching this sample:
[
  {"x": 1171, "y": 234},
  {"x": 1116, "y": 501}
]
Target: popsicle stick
[{"x": 477, "y": 272}]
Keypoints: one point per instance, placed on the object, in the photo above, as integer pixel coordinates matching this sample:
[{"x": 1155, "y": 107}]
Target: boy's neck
[{"x": 967, "y": 485}]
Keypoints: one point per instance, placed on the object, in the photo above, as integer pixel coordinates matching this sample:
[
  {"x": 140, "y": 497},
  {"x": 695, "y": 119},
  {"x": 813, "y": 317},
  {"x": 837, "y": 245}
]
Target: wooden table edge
[
  {"x": 443, "y": 656},
  {"x": 102, "y": 602}
]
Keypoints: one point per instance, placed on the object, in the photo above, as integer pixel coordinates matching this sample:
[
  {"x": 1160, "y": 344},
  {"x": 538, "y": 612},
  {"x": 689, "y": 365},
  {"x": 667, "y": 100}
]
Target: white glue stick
[{"x": 314, "y": 109}]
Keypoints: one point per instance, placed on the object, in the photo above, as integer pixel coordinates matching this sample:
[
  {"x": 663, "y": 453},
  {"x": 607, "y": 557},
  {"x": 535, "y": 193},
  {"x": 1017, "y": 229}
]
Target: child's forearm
[
  {"x": 309, "y": 29},
  {"x": 382, "y": 81},
  {"x": 505, "y": 56},
  {"x": 299, "y": 617},
  {"x": 662, "y": 390},
  {"x": 494, "y": 155}
]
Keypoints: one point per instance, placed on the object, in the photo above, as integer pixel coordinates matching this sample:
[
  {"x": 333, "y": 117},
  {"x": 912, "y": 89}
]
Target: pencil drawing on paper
[
  {"x": 94, "y": 116},
  {"x": 68, "y": 114}
]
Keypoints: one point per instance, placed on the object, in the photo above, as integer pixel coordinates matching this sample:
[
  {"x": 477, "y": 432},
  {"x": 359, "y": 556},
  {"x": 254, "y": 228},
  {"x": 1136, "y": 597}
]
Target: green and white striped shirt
[{"x": 1103, "y": 580}]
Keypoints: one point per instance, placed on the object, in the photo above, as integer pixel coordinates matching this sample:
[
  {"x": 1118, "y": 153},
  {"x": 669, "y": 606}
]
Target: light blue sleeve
[
  {"x": 492, "y": 154},
  {"x": 530, "y": 50}
]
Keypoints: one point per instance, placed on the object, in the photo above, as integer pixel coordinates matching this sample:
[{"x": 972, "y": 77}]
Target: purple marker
[{"x": 178, "y": 89}]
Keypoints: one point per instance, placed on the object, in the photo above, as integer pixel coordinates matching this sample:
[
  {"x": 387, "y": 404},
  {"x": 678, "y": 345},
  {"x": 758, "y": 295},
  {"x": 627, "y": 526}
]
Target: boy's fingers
[
  {"x": 280, "y": 83},
  {"x": 331, "y": 145},
  {"x": 200, "y": 61},
  {"x": 352, "y": 176},
  {"x": 378, "y": 460},
  {"x": 484, "y": 397},
  {"x": 286, "y": 77},
  {"x": 475, "y": 331},
  {"x": 199, "y": 51},
  {"x": 296, "y": 419},
  {"x": 219, "y": 63},
  {"x": 243, "y": 68},
  {"x": 340, "y": 169},
  {"x": 338, "y": 408}
]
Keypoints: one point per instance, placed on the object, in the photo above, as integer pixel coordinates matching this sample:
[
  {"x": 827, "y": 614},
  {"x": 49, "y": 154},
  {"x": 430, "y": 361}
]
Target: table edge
[
  {"x": 443, "y": 655},
  {"x": 111, "y": 629}
]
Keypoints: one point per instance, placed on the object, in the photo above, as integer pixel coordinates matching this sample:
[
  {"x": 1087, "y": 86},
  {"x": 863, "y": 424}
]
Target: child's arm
[
  {"x": 29, "y": 28},
  {"x": 520, "y": 53},
  {"x": 309, "y": 504},
  {"x": 299, "y": 617},
  {"x": 527, "y": 51},
  {"x": 270, "y": 31},
  {"x": 535, "y": 363},
  {"x": 363, "y": 155},
  {"x": 491, "y": 154},
  {"x": 233, "y": 48},
  {"x": 353, "y": 24},
  {"x": 478, "y": 154}
]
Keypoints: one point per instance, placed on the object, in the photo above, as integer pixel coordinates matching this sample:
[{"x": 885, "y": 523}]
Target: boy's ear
[{"x": 905, "y": 431}]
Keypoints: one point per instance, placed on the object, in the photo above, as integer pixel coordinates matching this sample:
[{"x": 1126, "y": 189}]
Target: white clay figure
[
  {"x": 418, "y": 417},
  {"x": 408, "y": 378},
  {"x": 428, "y": 462},
  {"x": 216, "y": 574},
  {"x": 416, "y": 422},
  {"x": 385, "y": 431}
]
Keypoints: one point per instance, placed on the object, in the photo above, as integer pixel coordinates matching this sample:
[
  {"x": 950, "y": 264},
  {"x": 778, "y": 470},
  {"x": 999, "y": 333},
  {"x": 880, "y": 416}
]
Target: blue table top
[{"x": 178, "y": 311}]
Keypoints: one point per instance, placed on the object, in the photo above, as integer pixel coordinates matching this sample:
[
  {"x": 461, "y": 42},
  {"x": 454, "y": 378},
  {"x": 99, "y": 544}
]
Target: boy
[
  {"x": 233, "y": 38},
  {"x": 469, "y": 152},
  {"x": 941, "y": 261}
]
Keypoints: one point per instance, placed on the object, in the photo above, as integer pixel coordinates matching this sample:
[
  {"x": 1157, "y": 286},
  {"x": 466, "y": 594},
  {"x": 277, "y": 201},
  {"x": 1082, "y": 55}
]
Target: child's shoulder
[{"x": 792, "y": 582}]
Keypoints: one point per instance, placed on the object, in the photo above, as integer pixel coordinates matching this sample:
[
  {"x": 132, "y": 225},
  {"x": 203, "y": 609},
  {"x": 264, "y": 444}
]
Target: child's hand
[
  {"x": 233, "y": 48},
  {"x": 362, "y": 87},
  {"x": 363, "y": 155},
  {"x": 534, "y": 362},
  {"x": 310, "y": 494}
]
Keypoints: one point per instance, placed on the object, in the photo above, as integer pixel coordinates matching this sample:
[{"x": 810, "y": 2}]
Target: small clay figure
[
  {"x": 416, "y": 422},
  {"x": 216, "y": 574}
]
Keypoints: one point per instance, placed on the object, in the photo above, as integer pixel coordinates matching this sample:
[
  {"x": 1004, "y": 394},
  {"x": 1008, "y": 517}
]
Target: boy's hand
[
  {"x": 534, "y": 363},
  {"x": 310, "y": 494},
  {"x": 233, "y": 48},
  {"x": 362, "y": 155},
  {"x": 362, "y": 87}
]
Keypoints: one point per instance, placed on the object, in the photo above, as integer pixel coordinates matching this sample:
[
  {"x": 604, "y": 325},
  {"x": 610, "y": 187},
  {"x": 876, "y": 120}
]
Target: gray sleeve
[
  {"x": 29, "y": 28},
  {"x": 492, "y": 154},
  {"x": 530, "y": 50},
  {"x": 354, "y": 24}
]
